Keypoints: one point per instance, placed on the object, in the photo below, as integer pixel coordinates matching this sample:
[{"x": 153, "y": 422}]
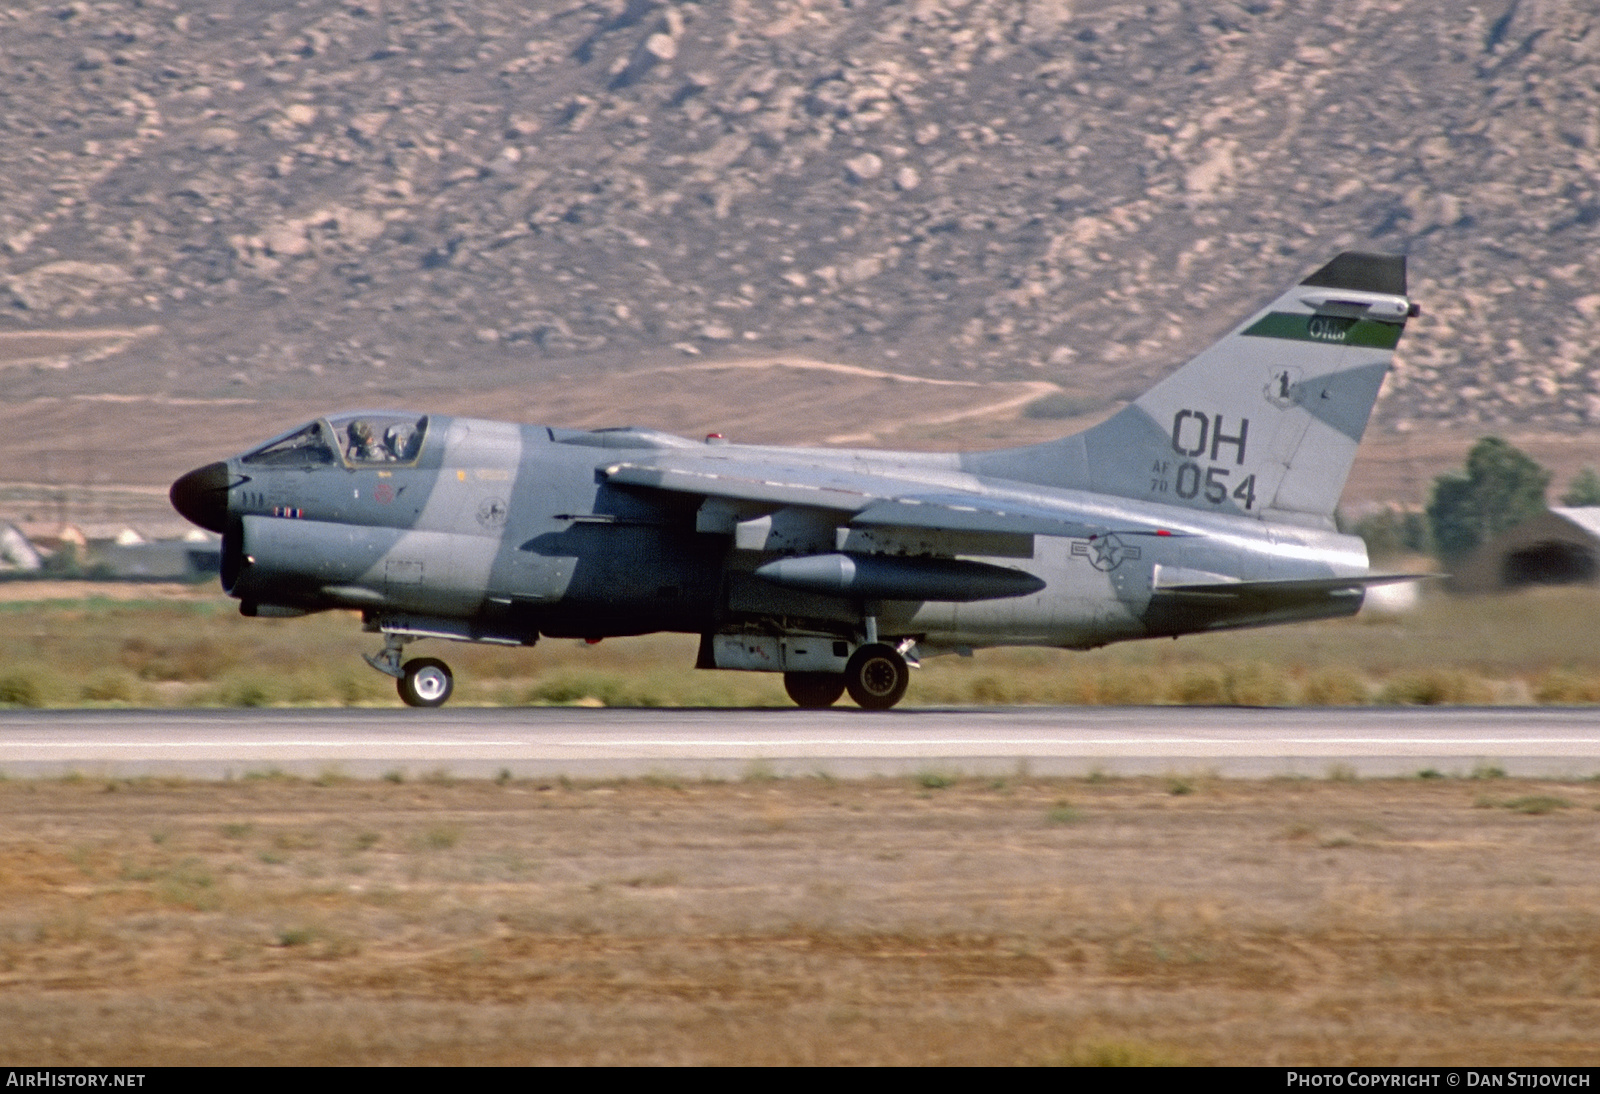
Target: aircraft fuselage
[{"x": 512, "y": 531}]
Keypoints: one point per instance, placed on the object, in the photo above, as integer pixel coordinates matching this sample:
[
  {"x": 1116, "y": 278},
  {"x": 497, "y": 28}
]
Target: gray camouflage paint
[{"x": 1156, "y": 521}]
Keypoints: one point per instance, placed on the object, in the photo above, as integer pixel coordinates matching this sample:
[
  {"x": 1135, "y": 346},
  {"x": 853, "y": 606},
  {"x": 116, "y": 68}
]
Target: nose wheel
[
  {"x": 425, "y": 682},
  {"x": 421, "y": 682}
]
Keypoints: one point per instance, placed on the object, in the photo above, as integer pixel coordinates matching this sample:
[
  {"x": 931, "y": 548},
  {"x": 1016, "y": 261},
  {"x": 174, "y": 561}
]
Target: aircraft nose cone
[{"x": 202, "y": 496}]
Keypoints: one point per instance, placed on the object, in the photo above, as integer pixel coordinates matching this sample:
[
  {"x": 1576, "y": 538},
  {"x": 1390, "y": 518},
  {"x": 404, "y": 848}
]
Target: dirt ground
[
  {"x": 30, "y": 592},
  {"x": 800, "y": 921}
]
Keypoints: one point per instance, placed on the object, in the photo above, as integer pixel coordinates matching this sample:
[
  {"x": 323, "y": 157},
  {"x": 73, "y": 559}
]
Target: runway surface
[{"x": 587, "y": 743}]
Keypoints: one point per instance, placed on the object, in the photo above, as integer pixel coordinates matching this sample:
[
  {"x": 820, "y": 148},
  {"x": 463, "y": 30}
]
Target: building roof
[
  {"x": 1586, "y": 518},
  {"x": 16, "y": 552},
  {"x": 1560, "y": 546}
]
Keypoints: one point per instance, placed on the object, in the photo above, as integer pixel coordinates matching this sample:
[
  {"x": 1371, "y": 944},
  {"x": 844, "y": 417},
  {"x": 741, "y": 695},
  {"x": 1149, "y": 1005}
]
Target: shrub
[
  {"x": 1117, "y": 1054},
  {"x": 1120, "y": 686},
  {"x": 247, "y": 693},
  {"x": 607, "y": 690},
  {"x": 1256, "y": 685},
  {"x": 1199, "y": 686},
  {"x": 1537, "y": 804},
  {"x": 1434, "y": 687},
  {"x": 19, "y": 688},
  {"x": 989, "y": 689},
  {"x": 440, "y": 838},
  {"x": 107, "y": 687},
  {"x": 1393, "y": 532},
  {"x": 1566, "y": 686},
  {"x": 1063, "y": 812},
  {"x": 1337, "y": 687}
]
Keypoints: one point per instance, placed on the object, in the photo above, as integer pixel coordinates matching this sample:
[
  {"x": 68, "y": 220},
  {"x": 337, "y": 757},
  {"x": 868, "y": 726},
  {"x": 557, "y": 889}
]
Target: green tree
[
  {"x": 1500, "y": 488},
  {"x": 1392, "y": 532},
  {"x": 1584, "y": 489}
]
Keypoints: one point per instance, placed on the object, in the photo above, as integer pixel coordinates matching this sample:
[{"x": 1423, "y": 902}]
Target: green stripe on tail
[{"x": 1327, "y": 329}]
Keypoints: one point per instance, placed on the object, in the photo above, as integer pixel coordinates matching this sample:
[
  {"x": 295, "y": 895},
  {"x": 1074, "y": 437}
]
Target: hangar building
[{"x": 1558, "y": 547}]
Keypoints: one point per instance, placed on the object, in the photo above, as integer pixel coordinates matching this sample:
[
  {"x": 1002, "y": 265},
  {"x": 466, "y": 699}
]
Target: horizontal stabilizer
[{"x": 1190, "y": 583}]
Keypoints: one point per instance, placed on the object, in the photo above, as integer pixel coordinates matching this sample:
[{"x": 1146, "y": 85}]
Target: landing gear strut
[{"x": 421, "y": 682}]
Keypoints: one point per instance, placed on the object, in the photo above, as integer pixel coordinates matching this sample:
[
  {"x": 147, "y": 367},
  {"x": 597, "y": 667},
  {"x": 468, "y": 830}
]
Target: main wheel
[
  {"x": 877, "y": 676},
  {"x": 427, "y": 682},
  {"x": 814, "y": 690}
]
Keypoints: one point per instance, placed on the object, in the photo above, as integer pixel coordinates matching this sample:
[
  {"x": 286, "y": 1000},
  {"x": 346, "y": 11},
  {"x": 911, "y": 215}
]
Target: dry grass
[
  {"x": 925, "y": 920},
  {"x": 1535, "y": 647}
]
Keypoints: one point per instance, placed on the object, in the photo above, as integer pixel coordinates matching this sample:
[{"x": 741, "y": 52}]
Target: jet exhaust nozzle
[
  {"x": 202, "y": 496},
  {"x": 893, "y": 577}
]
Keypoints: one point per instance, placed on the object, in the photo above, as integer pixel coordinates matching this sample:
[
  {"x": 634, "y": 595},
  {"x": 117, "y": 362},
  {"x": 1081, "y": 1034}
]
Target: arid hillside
[{"x": 364, "y": 200}]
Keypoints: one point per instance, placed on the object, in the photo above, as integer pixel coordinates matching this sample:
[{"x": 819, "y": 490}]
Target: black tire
[
  {"x": 814, "y": 690},
  {"x": 877, "y": 677},
  {"x": 427, "y": 682}
]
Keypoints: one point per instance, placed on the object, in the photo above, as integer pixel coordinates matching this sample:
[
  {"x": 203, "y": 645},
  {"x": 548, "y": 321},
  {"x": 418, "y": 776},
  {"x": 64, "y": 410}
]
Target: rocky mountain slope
[{"x": 318, "y": 196}]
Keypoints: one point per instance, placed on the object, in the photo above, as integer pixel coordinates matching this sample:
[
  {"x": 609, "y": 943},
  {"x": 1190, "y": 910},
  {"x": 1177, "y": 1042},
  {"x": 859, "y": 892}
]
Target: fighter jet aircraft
[{"x": 1207, "y": 503}]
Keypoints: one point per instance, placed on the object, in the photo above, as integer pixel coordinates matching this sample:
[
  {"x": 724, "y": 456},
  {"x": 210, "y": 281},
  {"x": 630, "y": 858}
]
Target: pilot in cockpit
[
  {"x": 364, "y": 447},
  {"x": 397, "y": 440}
]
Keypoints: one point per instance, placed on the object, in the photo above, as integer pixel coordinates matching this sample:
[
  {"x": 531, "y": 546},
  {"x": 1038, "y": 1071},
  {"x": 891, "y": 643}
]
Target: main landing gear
[
  {"x": 421, "y": 681},
  {"x": 814, "y": 690},
  {"x": 875, "y": 676}
]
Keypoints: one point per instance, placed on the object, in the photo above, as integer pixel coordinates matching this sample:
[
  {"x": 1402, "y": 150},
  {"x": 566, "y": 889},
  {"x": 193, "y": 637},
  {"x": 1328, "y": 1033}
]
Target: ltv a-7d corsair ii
[{"x": 1205, "y": 504}]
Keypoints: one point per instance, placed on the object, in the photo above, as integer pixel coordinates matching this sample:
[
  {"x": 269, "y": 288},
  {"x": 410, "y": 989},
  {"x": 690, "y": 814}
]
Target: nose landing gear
[
  {"x": 426, "y": 682},
  {"x": 421, "y": 681}
]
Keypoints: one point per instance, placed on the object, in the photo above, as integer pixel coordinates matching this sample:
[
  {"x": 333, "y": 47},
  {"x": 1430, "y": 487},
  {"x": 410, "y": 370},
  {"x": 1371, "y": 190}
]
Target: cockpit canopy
[
  {"x": 363, "y": 439},
  {"x": 379, "y": 438}
]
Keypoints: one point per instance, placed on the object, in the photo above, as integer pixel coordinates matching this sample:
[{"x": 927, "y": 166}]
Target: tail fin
[{"x": 1264, "y": 422}]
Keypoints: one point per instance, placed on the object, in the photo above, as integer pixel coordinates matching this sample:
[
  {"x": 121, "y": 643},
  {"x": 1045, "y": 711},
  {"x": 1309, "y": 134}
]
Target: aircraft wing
[
  {"x": 977, "y": 513},
  {"x": 820, "y": 487},
  {"x": 872, "y": 500}
]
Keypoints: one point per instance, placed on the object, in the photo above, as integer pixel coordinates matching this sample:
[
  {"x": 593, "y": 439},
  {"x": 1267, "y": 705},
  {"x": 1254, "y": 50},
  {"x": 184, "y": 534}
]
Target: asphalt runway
[{"x": 547, "y": 742}]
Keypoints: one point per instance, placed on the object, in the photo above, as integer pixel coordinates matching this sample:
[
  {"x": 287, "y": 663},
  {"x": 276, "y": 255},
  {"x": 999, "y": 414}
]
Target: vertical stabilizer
[{"x": 1264, "y": 422}]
